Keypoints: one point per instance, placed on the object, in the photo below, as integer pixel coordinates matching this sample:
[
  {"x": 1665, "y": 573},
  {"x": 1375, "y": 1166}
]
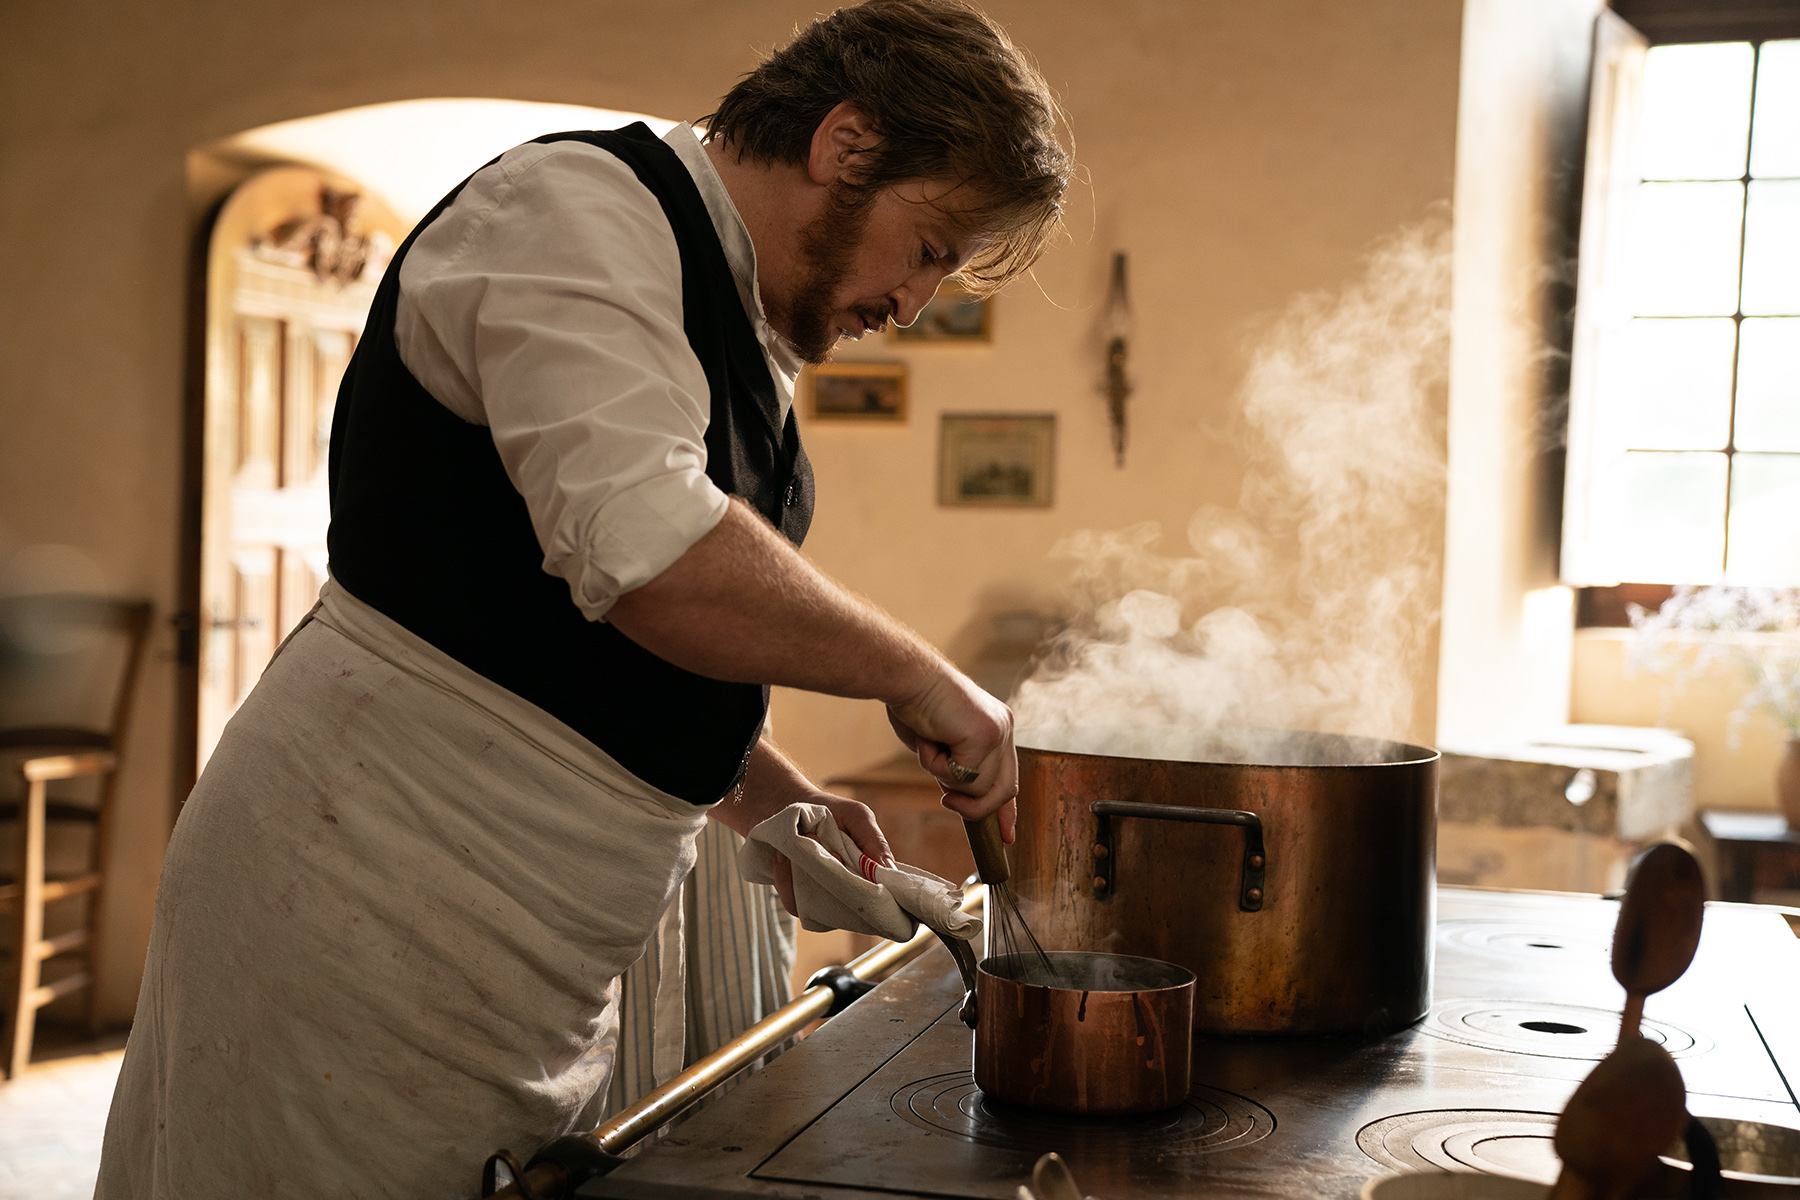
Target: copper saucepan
[
  {"x": 1072, "y": 1031},
  {"x": 1105, "y": 1033}
]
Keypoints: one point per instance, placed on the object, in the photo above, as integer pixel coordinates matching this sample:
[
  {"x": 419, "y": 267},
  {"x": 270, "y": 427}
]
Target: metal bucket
[
  {"x": 1108, "y": 1034},
  {"x": 1292, "y": 873}
]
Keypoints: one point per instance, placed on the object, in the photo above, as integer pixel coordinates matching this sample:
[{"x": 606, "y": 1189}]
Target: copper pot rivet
[
  {"x": 1100, "y": 851},
  {"x": 1256, "y": 862},
  {"x": 1254, "y": 895},
  {"x": 1099, "y": 883}
]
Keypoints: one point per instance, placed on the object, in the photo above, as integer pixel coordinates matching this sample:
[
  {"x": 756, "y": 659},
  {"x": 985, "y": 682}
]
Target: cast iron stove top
[{"x": 879, "y": 1102}]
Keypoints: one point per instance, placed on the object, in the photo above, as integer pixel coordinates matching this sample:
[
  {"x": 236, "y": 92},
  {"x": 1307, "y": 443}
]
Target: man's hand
[
  {"x": 855, "y": 819},
  {"x": 954, "y": 723},
  {"x": 771, "y": 783}
]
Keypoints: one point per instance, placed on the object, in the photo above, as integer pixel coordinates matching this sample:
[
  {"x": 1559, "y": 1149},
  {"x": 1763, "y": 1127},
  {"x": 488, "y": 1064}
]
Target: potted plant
[{"x": 1756, "y": 629}]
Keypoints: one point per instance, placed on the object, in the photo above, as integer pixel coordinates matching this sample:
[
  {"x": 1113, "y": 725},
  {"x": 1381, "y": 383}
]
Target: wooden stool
[
  {"x": 31, "y": 891},
  {"x": 1755, "y": 849},
  {"x": 34, "y": 757}
]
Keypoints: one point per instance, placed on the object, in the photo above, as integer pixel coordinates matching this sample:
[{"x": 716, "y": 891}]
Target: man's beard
[{"x": 827, "y": 247}]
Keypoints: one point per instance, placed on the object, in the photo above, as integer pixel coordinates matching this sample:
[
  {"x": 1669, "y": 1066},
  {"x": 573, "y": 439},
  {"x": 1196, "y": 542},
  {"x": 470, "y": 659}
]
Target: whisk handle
[{"x": 989, "y": 849}]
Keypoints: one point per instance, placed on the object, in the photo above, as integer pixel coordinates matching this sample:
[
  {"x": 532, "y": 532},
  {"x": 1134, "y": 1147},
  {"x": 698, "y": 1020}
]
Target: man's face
[{"x": 866, "y": 259}]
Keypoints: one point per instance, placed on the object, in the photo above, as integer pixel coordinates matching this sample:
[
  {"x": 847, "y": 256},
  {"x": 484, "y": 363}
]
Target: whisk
[{"x": 1009, "y": 934}]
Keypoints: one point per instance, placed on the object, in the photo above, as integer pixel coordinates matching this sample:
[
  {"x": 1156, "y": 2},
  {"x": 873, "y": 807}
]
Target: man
[{"x": 567, "y": 490}]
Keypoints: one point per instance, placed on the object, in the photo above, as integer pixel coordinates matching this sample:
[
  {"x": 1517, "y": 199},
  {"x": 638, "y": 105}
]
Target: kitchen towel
[{"x": 837, "y": 886}]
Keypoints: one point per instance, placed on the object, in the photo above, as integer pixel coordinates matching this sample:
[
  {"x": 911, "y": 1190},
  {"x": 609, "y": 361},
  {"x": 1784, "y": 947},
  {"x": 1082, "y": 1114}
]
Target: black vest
[{"x": 427, "y": 528}]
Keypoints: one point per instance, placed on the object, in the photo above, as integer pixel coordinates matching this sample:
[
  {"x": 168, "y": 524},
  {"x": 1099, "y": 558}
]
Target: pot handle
[
  {"x": 1106, "y": 846},
  {"x": 964, "y": 954}
]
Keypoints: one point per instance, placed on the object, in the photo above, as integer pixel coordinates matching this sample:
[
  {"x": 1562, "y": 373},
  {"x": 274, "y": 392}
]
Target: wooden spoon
[
  {"x": 1658, "y": 930},
  {"x": 1624, "y": 1114}
]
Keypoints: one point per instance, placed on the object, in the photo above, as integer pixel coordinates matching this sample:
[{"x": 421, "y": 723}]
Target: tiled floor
[{"x": 51, "y": 1119}]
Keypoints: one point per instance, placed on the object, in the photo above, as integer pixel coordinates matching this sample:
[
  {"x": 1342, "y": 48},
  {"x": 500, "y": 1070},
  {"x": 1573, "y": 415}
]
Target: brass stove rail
[{"x": 557, "y": 1169}]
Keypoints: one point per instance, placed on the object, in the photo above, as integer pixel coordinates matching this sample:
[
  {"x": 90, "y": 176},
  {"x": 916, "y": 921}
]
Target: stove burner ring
[
  {"x": 1548, "y": 1030},
  {"x": 1526, "y": 941},
  {"x": 1209, "y": 1120},
  {"x": 1494, "y": 1141}
]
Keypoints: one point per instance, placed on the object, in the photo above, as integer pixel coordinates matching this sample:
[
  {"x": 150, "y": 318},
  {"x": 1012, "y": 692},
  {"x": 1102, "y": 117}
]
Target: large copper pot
[{"x": 1291, "y": 872}]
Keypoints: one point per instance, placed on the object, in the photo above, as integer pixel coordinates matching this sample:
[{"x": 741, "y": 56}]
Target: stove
[{"x": 880, "y": 1103}]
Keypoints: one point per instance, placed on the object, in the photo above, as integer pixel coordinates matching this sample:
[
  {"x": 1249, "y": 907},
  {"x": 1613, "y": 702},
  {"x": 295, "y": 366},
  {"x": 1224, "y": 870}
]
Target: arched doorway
[{"x": 292, "y": 264}]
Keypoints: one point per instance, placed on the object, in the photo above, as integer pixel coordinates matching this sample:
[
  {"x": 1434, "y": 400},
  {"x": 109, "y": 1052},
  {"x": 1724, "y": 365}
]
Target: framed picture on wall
[
  {"x": 856, "y": 391},
  {"x": 997, "y": 460},
  {"x": 952, "y": 317}
]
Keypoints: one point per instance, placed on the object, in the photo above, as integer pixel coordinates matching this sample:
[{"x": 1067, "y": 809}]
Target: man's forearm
[
  {"x": 771, "y": 783},
  {"x": 743, "y": 605}
]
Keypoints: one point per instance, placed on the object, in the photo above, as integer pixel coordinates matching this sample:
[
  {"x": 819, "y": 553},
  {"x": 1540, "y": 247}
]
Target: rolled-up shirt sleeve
[{"x": 546, "y": 304}]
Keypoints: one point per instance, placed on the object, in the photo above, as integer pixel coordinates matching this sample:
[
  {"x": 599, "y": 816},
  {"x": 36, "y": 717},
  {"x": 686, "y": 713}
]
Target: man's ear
[{"x": 838, "y": 142}]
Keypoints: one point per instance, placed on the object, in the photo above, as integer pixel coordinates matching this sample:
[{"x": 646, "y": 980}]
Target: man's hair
[{"x": 950, "y": 97}]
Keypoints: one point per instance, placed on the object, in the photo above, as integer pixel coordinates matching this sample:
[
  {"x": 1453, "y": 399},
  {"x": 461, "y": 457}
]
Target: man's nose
[{"x": 911, "y": 297}]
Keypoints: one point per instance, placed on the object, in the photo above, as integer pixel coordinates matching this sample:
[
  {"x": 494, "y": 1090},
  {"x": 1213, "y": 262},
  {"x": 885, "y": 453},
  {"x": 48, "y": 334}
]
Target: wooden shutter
[{"x": 1602, "y": 308}]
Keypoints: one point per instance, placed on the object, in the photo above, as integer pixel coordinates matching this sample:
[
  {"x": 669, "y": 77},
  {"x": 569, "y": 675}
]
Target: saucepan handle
[
  {"x": 964, "y": 954},
  {"x": 1106, "y": 843}
]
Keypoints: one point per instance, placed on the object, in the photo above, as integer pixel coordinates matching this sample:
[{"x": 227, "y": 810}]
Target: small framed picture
[
  {"x": 953, "y": 316},
  {"x": 857, "y": 391},
  {"x": 997, "y": 460}
]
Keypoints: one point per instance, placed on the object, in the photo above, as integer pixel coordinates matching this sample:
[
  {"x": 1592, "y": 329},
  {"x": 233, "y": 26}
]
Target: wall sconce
[{"x": 1118, "y": 330}]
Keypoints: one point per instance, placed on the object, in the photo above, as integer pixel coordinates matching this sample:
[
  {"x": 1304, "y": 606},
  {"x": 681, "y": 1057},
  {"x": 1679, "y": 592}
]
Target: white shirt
[{"x": 545, "y": 303}]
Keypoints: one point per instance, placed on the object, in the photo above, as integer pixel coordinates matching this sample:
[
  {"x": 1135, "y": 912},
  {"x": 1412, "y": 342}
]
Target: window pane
[
  {"x": 1777, "y": 147},
  {"x": 1667, "y": 384},
  {"x": 1696, "y": 111},
  {"x": 1768, "y": 398},
  {"x": 1772, "y": 248},
  {"x": 1684, "y": 249},
  {"x": 1765, "y": 519},
  {"x": 1670, "y": 517}
]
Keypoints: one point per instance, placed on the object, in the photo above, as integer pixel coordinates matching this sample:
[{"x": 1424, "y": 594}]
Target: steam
[{"x": 1310, "y": 606}]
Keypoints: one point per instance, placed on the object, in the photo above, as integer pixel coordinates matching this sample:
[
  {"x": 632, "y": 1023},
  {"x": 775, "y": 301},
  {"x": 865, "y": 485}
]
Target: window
[{"x": 1684, "y": 446}]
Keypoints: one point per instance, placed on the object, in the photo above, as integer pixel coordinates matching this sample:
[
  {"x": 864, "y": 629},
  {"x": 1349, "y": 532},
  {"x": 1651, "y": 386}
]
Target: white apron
[{"x": 389, "y": 932}]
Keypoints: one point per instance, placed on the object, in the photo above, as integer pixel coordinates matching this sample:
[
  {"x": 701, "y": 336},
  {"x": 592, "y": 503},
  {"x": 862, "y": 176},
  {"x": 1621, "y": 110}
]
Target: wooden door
[{"x": 294, "y": 259}]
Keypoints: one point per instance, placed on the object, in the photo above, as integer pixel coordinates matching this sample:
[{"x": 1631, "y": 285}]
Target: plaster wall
[
  {"x": 1240, "y": 152},
  {"x": 1505, "y": 652}
]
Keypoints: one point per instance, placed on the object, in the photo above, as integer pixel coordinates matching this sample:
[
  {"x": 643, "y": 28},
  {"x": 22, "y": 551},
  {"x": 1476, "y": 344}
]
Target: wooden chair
[{"x": 45, "y": 643}]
